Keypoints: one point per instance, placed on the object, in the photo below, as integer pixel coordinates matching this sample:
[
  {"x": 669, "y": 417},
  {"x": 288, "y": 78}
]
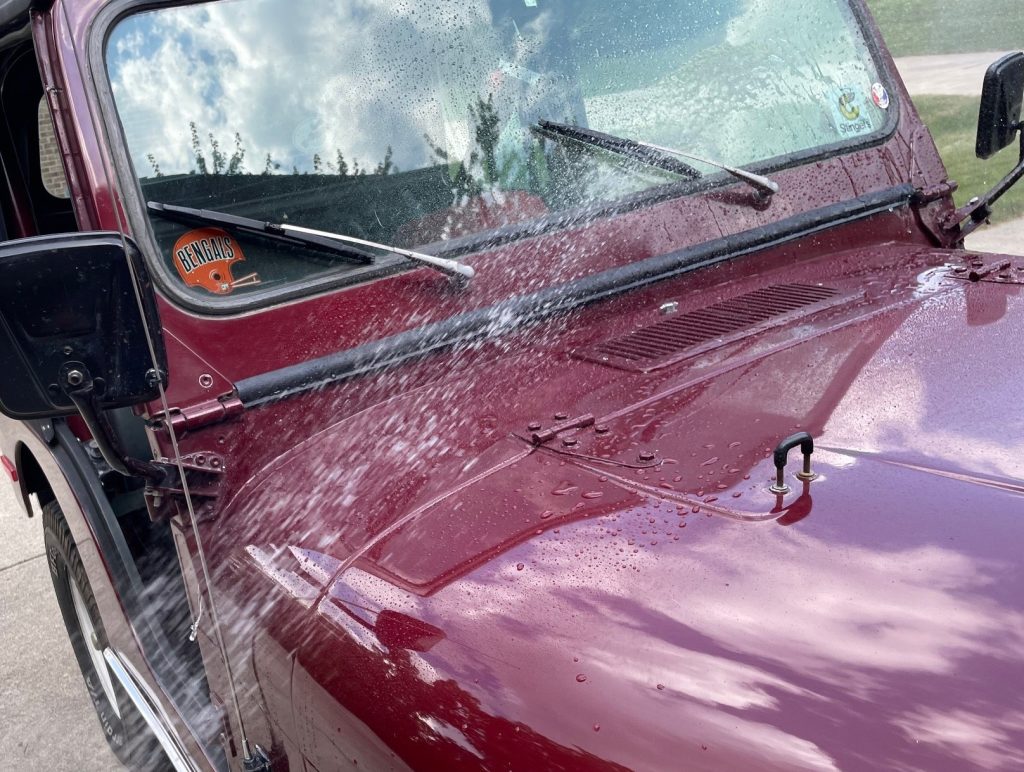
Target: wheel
[{"x": 126, "y": 731}]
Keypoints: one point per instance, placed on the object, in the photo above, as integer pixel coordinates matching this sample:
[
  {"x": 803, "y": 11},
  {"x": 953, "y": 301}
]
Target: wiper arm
[
  {"x": 655, "y": 155},
  {"x": 630, "y": 148},
  {"x": 347, "y": 247}
]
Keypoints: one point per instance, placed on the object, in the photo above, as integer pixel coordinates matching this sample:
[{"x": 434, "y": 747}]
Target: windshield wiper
[
  {"x": 347, "y": 247},
  {"x": 654, "y": 155}
]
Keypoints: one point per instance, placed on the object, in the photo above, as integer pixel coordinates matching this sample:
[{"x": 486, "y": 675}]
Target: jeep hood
[{"x": 631, "y": 593}]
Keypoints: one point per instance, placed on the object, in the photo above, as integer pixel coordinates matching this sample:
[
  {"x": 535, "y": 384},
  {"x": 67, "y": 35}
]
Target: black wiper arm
[
  {"x": 625, "y": 147},
  {"x": 267, "y": 230},
  {"x": 656, "y": 155},
  {"x": 347, "y": 247}
]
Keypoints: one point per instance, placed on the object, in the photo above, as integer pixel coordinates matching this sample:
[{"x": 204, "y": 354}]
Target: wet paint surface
[
  {"x": 408, "y": 582},
  {"x": 585, "y": 604}
]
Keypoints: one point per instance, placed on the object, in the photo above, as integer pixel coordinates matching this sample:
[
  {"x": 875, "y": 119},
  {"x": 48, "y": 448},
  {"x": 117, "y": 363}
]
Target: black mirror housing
[
  {"x": 1001, "y": 99},
  {"x": 69, "y": 310}
]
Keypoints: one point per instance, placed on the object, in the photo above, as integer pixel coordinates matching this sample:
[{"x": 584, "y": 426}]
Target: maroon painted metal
[{"x": 516, "y": 556}]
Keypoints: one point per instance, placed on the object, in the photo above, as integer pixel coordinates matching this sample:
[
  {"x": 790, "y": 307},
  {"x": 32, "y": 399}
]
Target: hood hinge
[{"x": 201, "y": 414}]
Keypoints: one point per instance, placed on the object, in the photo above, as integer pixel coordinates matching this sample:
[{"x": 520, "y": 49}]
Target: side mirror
[
  {"x": 1001, "y": 99},
  {"x": 998, "y": 125},
  {"x": 70, "y": 324}
]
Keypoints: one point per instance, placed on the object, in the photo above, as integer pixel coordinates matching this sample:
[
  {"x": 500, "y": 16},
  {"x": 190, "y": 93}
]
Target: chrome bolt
[
  {"x": 206, "y": 380},
  {"x": 668, "y": 308},
  {"x": 75, "y": 378},
  {"x": 779, "y": 486},
  {"x": 647, "y": 455}
]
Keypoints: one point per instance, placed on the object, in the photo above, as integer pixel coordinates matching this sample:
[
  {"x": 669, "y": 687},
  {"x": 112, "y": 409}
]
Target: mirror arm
[
  {"x": 978, "y": 210},
  {"x": 83, "y": 396}
]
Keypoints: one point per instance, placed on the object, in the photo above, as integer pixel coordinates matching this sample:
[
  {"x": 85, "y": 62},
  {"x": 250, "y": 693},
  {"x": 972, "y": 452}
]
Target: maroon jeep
[{"x": 511, "y": 384}]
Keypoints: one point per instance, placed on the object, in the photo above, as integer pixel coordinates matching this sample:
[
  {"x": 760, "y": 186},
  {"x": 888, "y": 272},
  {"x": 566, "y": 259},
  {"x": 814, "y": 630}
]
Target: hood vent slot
[{"x": 686, "y": 335}]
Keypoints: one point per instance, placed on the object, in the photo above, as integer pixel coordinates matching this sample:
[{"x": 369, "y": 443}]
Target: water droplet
[
  {"x": 565, "y": 489},
  {"x": 580, "y": 678},
  {"x": 593, "y": 494},
  {"x": 597, "y": 727},
  {"x": 661, "y": 687},
  {"x": 710, "y": 461}
]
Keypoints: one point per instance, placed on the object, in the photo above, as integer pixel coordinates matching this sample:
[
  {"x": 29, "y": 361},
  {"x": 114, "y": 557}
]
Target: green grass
[
  {"x": 914, "y": 27},
  {"x": 953, "y": 122}
]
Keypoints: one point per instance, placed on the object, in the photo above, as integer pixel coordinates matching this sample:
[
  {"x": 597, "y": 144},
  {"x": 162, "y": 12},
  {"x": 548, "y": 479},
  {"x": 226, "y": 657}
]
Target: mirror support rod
[
  {"x": 81, "y": 390},
  {"x": 977, "y": 211}
]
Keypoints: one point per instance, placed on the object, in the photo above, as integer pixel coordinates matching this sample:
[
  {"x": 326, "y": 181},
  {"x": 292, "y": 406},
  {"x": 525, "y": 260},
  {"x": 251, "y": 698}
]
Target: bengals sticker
[{"x": 204, "y": 258}]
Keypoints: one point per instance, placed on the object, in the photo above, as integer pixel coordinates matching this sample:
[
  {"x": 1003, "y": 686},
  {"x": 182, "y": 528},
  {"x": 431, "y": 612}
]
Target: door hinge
[
  {"x": 202, "y": 414},
  {"x": 204, "y": 475}
]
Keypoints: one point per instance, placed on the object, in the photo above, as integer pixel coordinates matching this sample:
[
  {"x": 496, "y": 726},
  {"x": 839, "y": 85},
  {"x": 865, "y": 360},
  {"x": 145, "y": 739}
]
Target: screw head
[
  {"x": 647, "y": 455},
  {"x": 561, "y": 416},
  {"x": 75, "y": 377},
  {"x": 535, "y": 426},
  {"x": 570, "y": 442},
  {"x": 206, "y": 380}
]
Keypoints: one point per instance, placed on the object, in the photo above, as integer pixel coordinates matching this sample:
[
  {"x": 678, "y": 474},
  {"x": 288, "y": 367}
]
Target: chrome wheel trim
[{"x": 89, "y": 634}]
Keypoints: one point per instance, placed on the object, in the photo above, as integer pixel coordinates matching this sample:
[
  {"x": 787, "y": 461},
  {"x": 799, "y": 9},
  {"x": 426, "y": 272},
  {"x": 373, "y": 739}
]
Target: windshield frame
[{"x": 133, "y": 200}]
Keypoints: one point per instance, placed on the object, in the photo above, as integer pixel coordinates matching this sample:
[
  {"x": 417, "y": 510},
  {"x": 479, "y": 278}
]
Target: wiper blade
[
  {"x": 655, "y": 155},
  {"x": 347, "y": 247},
  {"x": 630, "y": 148}
]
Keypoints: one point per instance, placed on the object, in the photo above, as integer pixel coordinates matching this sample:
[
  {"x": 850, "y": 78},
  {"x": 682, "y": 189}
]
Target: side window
[
  {"x": 51, "y": 168},
  {"x": 34, "y": 189}
]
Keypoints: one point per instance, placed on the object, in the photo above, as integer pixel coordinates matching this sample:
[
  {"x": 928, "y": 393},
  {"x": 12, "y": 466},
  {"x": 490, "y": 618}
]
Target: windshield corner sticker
[
  {"x": 849, "y": 114},
  {"x": 204, "y": 258},
  {"x": 880, "y": 96}
]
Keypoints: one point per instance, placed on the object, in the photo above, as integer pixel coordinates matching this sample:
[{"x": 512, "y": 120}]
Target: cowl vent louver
[{"x": 686, "y": 335}]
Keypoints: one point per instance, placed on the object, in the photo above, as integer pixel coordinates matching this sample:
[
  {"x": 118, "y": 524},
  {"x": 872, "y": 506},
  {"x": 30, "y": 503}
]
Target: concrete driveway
[
  {"x": 46, "y": 719},
  {"x": 949, "y": 74}
]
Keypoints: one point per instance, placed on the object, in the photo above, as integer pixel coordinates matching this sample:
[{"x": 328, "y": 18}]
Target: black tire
[{"x": 126, "y": 731}]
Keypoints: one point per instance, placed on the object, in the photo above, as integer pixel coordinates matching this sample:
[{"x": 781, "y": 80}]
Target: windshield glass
[{"x": 411, "y": 123}]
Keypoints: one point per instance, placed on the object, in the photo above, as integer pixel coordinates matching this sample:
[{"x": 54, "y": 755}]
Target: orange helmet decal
[{"x": 204, "y": 258}]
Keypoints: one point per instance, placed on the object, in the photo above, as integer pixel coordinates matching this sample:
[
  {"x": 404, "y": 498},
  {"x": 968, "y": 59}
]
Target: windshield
[{"x": 413, "y": 123}]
